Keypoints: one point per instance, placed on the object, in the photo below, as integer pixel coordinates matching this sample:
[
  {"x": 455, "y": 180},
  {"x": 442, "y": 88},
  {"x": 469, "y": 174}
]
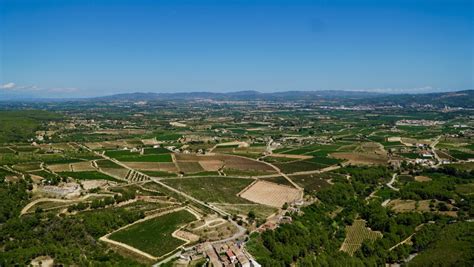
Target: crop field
[
  {"x": 27, "y": 166},
  {"x": 160, "y": 174},
  {"x": 212, "y": 189},
  {"x": 88, "y": 175},
  {"x": 189, "y": 167},
  {"x": 277, "y": 180},
  {"x": 146, "y": 158},
  {"x": 107, "y": 164},
  {"x": 120, "y": 173},
  {"x": 211, "y": 165},
  {"x": 461, "y": 155},
  {"x": 82, "y": 166},
  {"x": 271, "y": 194},
  {"x": 299, "y": 166},
  {"x": 230, "y": 161},
  {"x": 467, "y": 166},
  {"x": 158, "y": 150},
  {"x": 154, "y": 236},
  {"x": 153, "y": 166},
  {"x": 65, "y": 167},
  {"x": 363, "y": 158},
  {"x": 311, "y": 182},
  {"x": 146, "y": 206},
  {"x": 356, "y": 234}
]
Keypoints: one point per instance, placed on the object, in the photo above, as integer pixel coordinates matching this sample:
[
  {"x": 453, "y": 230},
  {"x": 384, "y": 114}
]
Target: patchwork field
[
  {"x": 211, "y": 189},
  {"x": 189, "y": 167},
  {"x": 356, "y": 234},
  {"x": 82, "y": 166},
  {"x": 154, "y": 236},
  {"x": 362, "y": 158},
  {"x": 153, "y": 166},
  {"x": 229, "y": 161},
  {"x": 271, "y": 194}
]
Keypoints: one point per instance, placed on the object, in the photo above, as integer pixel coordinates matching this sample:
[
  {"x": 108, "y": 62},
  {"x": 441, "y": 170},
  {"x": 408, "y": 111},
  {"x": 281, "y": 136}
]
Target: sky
[{"x": 81, "y": 48}]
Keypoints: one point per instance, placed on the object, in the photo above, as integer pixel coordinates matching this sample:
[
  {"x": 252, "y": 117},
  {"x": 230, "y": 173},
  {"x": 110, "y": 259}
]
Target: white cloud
[{"x": 7, "y": 86}]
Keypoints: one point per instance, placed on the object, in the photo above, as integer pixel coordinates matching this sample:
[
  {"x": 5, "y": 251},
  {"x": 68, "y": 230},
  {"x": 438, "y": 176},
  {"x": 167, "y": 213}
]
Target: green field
[
  {"x": 158, "y": 150},
  {"x": 154, "y": 236},
  {"x": 212, "y": 189}
]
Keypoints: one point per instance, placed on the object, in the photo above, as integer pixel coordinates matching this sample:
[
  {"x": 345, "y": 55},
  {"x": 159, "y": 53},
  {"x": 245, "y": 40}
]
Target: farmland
[
  {"x": 224, "y": 189},
  {"x": 270, "y": 194},
  {"x": 154, "y": 236},
  {"x": 288, "y": 180},
  {"x": 356, "y": 234}
]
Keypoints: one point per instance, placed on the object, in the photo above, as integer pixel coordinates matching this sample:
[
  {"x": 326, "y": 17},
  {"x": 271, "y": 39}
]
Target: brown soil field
[
  {"x": 60, "y": 167},
  {"x": 94, "y": 145},
  {"x": 362, "y": 158},
  {"x": 422, "y": 178},
  {"x": 189, "y": 167},
  {"x": 232, "y": 162},
  {"x": 82, "y": 166},
  {"x": 211, "y": 165},
  {"x": 270, "y": 194},
  {"x": 153, "y": 166}
]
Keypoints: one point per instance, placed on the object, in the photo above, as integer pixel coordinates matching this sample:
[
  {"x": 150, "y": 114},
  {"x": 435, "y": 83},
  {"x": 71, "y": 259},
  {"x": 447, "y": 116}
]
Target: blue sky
[{"x": 87, "y": 48}]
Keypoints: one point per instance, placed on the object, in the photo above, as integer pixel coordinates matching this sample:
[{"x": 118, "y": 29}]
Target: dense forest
[
  {"x": 315, "y": 236},
  {"x": 70, "y": 239}
]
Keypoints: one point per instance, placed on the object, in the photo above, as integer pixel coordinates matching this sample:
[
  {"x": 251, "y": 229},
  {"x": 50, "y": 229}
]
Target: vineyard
[{"x": 356, "y": 234}]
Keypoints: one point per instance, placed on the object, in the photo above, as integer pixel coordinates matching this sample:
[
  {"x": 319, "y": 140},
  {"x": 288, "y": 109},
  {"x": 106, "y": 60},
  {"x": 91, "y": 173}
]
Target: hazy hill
[{"x": 455, "y": 99}]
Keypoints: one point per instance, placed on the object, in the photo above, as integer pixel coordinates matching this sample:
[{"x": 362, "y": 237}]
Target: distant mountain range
[
  {"x": 454, "y": 99},
  {"x": 244, "y": 96}
]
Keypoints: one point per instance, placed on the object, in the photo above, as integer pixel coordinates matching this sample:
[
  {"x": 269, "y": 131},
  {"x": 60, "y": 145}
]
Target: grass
[
  {"x": 158, "y": 150},
  {"x": 108, "y": 164},
  {"x": 154, "y": 236},
  {"x": 212, "y": 189},
  {"x": 88, "y": 175}
]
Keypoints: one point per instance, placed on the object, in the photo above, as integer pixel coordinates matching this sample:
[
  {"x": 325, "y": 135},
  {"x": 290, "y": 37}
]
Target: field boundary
[{"x": 106, "y": 238}]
